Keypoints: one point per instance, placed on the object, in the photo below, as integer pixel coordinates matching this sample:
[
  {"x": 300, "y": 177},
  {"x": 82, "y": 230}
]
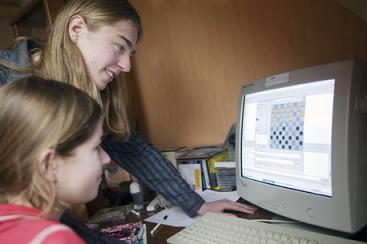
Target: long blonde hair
[
  {"x": 38, "y": 114},
  {"x": 62, "y": 60}
]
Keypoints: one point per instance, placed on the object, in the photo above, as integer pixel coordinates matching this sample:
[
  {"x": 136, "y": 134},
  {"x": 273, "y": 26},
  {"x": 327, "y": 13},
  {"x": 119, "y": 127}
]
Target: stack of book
[
  {"x": 197, "y": 167},
  {"x": 226, "y": 172}
]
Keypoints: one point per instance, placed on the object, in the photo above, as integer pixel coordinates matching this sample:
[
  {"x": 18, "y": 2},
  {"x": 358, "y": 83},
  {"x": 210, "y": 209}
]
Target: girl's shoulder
[
  {"x": 54, "y": 233},
  {"x": 31, "y": 229}
]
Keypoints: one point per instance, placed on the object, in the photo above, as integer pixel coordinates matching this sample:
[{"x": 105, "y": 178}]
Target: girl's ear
[
  {"x": 76, "y": 26},
  {"x": 46, "y": 165}
]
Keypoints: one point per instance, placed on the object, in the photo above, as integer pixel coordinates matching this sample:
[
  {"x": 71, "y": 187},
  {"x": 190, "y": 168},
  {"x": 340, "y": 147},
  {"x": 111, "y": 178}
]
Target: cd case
[{"x": 132, "y": 233}]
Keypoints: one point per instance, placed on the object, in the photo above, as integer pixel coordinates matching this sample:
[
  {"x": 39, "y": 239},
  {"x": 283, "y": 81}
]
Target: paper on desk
[{"x": 178, "y": 218}]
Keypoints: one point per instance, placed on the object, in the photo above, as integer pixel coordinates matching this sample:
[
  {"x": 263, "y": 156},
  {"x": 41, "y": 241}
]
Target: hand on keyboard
[{"x": 221, "y": 205}]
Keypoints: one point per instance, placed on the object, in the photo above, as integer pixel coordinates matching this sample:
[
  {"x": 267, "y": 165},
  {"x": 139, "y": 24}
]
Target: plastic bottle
[{"x": 138, "y": 195}]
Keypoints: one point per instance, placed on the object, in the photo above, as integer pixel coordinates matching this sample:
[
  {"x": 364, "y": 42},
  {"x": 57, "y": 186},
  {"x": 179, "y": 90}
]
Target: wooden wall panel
[{"x": 195, "y": 54}]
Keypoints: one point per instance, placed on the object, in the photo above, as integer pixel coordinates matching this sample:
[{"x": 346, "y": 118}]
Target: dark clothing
[{"x": 88, "y": 235}]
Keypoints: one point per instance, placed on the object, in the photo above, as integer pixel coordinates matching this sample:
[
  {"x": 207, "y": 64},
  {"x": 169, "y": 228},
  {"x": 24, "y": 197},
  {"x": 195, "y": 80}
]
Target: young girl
[
  {"x": 50, "y": 158},
  {"x": 89, "y": 46}
]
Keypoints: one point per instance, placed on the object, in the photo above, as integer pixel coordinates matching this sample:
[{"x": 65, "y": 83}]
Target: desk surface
[{"x": 165, "y": 231}]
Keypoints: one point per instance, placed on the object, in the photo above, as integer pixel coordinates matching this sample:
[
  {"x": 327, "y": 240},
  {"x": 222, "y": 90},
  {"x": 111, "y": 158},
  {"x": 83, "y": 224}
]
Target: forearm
[{"x": 142, "y": 160}]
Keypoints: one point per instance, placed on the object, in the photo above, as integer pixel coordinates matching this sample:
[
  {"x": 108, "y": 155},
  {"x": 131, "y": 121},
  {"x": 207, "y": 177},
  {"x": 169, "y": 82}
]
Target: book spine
[
  {"x": 198, "y": 176},
  {"x": 191, "y": 172},
  {"x": 198, "y": 182},
  {"x": 205, "y": 171}
]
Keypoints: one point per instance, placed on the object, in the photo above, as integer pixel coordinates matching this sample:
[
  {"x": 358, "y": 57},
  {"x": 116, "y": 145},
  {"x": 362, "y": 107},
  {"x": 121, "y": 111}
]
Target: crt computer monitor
[{"x": 301, "y": 145}]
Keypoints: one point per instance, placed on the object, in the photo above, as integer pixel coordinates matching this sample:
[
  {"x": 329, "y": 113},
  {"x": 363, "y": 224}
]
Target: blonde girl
[{"x": 50, "y": 158}]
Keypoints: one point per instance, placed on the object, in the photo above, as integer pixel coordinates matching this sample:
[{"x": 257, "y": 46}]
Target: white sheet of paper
[{"x": 177, "y": 217}]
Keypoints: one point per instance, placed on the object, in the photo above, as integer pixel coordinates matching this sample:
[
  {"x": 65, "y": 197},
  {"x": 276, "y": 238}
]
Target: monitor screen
[
  {"x": 286, "y": 136},
  {"x": 301, "y": 141}
]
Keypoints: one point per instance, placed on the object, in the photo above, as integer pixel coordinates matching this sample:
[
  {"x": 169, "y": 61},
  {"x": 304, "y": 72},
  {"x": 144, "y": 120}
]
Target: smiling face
[
  {"x": 78, "y": 176},
  {"x": 107, "y": 50}
]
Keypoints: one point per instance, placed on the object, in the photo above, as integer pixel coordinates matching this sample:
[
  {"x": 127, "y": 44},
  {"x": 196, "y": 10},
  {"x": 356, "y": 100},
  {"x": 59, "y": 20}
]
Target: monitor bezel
[{"x": 333, "y": 212}]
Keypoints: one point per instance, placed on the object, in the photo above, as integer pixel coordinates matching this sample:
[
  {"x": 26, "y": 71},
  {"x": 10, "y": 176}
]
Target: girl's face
[
  {"x": 107, "y": 50},
  {"x": 78, "y": 176}
]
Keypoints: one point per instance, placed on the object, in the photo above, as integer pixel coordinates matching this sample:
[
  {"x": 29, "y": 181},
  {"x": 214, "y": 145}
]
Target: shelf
[{"x": 35, "y": 19}]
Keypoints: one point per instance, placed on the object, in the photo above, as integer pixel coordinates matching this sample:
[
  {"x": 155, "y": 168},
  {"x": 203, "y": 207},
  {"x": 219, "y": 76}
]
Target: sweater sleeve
[{"x": 140, "y": 158}]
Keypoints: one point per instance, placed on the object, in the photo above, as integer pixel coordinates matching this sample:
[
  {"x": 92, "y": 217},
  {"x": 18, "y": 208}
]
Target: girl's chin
[
  {"x": 101, "y": 87},
  {"x": 101, "y": 84}
]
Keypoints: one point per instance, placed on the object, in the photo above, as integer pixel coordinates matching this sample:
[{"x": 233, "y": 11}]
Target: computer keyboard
[{"x": 218, "y": 228}]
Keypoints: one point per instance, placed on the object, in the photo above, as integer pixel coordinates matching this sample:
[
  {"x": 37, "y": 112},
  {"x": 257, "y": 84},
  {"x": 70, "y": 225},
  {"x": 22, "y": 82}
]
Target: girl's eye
[{"x": 121, "y": 48}]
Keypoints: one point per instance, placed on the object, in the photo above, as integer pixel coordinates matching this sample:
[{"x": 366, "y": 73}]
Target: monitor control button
[{"x": 310, "y": 212}]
